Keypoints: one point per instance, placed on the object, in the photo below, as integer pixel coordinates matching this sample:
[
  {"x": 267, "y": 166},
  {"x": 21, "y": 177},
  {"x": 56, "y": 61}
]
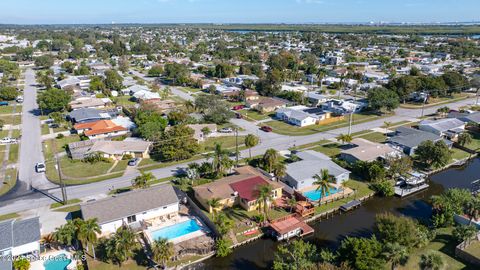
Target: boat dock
[
  {"x": 290, "y": 226},
  {"x": 350, "y": 205},
  {"x": 409, "y": 190}
]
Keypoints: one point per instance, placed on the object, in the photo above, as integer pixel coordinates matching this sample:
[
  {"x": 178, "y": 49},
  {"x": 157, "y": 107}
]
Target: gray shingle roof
[
  {"x": 412, "y": 137},
  {"x": 312, "y": 162},
  {"x": 442, "y": 125},
  {"x": 14, "y": 233},
  {"x": 130, "y": 203}
]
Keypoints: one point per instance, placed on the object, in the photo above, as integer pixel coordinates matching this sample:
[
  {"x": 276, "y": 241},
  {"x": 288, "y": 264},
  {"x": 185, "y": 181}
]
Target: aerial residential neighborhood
[{"x": 208, "y": 135}]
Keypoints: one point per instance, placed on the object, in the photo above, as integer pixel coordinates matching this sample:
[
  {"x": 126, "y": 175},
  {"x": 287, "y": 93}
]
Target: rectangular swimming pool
[
  {"x": 177, "y": 230},
  {"x": 315, "y": 195}
]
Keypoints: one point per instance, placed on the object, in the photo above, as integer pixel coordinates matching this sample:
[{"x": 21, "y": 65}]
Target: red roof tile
[{"x": 248, "y": 189}]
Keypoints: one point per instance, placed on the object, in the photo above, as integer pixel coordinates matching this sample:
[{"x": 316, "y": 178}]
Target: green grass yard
[
  {"x": 331, "y": 149},
  {"x": 377, "y": 137},
  {"x": 11, "y": 119},
  {"x": 253, "y": 115},
  {"x": 361, "y": 190}
]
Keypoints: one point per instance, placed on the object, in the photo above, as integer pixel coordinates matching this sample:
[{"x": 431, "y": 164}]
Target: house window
[{"x": 131, "y": 219}]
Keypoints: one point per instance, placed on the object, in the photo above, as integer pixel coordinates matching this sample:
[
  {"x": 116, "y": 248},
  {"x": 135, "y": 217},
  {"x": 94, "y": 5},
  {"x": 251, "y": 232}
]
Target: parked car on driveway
[
  {"x": 266, "y": 129},
  {"x": 238, "y": 107},
  {"x": 226, "y": 130},
  {"x": 133, "y": 162},
  {"x": 7, "y": 140},
  {"x": 3, "y": 103},
  {"x": 40, "y": 167}
]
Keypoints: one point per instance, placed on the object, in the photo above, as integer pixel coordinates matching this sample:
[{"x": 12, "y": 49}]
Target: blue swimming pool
[
  {"x": 315, "y": 195},
  {"x": 177, "y": 230},
  {"x": 59, "y": 262}
]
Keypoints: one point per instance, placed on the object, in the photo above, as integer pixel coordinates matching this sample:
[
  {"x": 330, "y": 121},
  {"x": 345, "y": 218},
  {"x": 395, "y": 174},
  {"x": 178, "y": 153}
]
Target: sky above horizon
[{"x": 236, "y": 11}]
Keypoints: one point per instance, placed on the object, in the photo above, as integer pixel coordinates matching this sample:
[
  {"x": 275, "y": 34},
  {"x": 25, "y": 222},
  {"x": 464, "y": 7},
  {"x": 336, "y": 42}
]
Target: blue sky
[{"x": 236, "y": 11}]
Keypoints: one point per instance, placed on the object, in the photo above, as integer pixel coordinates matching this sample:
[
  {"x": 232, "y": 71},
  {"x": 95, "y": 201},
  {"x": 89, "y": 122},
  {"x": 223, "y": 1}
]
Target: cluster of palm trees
[
  {"x": 272, "y": 164},
  {"x": 344, "y": 138},
  {"x": 120, "y": 246},
  {"x": 78, "y": 233},
  {"x": 323, "y": 181}
]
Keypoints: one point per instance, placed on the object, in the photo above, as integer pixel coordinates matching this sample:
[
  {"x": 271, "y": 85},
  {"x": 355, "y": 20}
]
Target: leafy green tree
[
  {"x": 455, "y": 81},
  {"x": 150, "y": 124},
  {"x": 21, "y": 264},
  {"x": 224, "y": 224},
  {"x": 464, "y": 139},
  {"x": 464, "y": 232},
  {"x": 177, "y": 143},
  {"x": 382, "y": 99},
  {"x": 143, "y": 180},
  {"x": 53, "y": 100},
  {"x": 113, "y": 80},
  {"x": 44, "y": 61},
  {"x": 399, "y": 166},
  {"x": 162, "y": 251},
  {"x": 251, "y": 141},
  {"x": 222, "y": 247},
  {"x": 446, "y": 205},
  {"x": 384, "y": 187},
  {"x": 177, "y": 73},
  {"x": 224, "y": 70},
  {"x": 397, "y": 229},
  {"x": 214, "y": 109},
  {"x": 8, "y": 93},
  {"x": 362, "y": 253},
  {"x": 404, "y": 86},
  {"x": 431, "y": 261},
  {"x": 97, "y": 84},
  {"x": 433, "y": 154},
  {"x": 295, "y": 255},
  {"x": 155, "y": 71}
]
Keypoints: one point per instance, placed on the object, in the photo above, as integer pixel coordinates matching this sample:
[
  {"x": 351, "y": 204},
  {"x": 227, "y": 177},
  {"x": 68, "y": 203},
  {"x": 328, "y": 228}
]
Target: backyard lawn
[
  {"x": 475, "y": 144},
  {"x": 361, "y": 190},
  {"x": 444, "y": 245},
  {"x": 331, "y": 149},
  {"x": 283, "y": 128},
  {"x": 253, "y": 115},
  {"x": 459, "y": 154}
]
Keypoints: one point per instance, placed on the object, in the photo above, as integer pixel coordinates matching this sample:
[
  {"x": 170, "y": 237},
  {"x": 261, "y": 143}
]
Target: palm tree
[
  {"x": 279, "y": 170},
  {"x": 292, "y": 202},
  {"x": 396, "y": 254},
  {"x": 214, "y": 204},
  {"x": 322, "y": 181},
  {"x": 270, "y": 158},
  {"x": 142, "y": 181},
  {"x": 472, "y": 209},
  {"x": 387, "y": 126},
  {"x": 224, "y": 224},
  {"x": 344, "y": 138},
  {"x": 121, "y": 245},
  {"x": 89, "y": 231},
  {"x": 431, "y": 261},
  {"x": 189, "y": 106},
  {"x": 264, "y": 197},
  {"x": 193, "y": 171},
  {"x": 162, "y": 251},
  {"x": 221, "y": 160},
  {"x": 66, "y": 234},
  {"x": 251, "y": 141},
  {"x": 21, "y": 264}
]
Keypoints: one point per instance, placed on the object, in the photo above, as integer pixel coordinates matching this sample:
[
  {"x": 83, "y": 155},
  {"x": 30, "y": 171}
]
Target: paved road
[{"x": 31, "y": 143}]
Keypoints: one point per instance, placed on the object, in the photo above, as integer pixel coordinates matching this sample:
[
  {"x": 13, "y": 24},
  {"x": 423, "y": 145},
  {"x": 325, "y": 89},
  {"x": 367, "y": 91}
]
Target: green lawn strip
[
  {"x": 157, "y": 165},
  {"x": 459, "y": 154},
  {"x": 475, "y": 144},
  {"x": 125, "y": 101},
  {"x": 57, "y": 204},
  {"x": 45, "y": 129},
  {"x": 444, "y": 245},
  {"x": 79, "y": 169},
  {"x": 252, "y": 115},
  {"x": 361, "y": 189},
  {"x": 11, "y": 119},
  {"x": 283, "y": 128},
  {"x": 332, "y": 149},
  {"x": 68, "y": 209},
  {"x": 120, "y": 167},
  {"x": 10, "y": 181},
  {"x": 128, "y": 265},
  {"x": 226, "y": 142},
  {"x": 310, "y": 145},
  {"x": 13, "y": 153},
  {"x": 9, "y": 216},
  {"x": 16, "y": 133},
  {"x": 9, "y": 109},
  {"x": 435, "y": 102},
  {"x": 377, "y": 137},
  {"x": 60, "y": 129}
]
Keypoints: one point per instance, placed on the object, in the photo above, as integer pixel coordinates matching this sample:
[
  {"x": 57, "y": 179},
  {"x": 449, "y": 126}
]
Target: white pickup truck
[{"x": 8, "y": 140}]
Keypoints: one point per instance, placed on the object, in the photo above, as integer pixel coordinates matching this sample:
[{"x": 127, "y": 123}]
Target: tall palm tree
[
  {"x": 214, "y": 204},
  {"x": 270, "y": 158},
  {"x": 162, "y": 251},
  {"x": 221, "y": 160},
  {"x": 322, "y": 181},
  {"x": 279, "y": 170},
  {"x": 89, "y": 231},
  {"x": 121, "y": 244},
  {"x": 66, "y": 234},
  {"x": 387, "y": 126},
  {"x": 264, "y": 198},
  {"x": 251, "y": 141},
  {"x": 291, "y": 203},
  {"x": 344, "y": 138},
  {"x": 431, "y": 261}
]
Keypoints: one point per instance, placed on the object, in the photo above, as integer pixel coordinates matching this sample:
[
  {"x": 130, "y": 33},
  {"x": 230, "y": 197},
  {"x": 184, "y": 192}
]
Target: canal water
[{"x": 329, "y": 232}]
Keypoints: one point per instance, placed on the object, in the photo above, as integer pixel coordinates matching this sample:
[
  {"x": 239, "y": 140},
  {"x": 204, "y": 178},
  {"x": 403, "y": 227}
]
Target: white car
[
  {"x": 7, "y": 140},
  {"x": 40, "y": 167},
  {"x": 226, "y": 130}
]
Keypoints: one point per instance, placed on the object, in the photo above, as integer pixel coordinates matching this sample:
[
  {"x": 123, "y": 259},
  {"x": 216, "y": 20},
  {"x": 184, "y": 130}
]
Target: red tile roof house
[
  {"x": 100, "y": 129},
  {"x": 238, "y": 189}
]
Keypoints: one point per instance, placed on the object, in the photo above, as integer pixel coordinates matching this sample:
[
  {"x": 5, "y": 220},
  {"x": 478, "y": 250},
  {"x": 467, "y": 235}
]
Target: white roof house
[
  {"x": 300, "y": 174},
  {"x": 443, "y": 127},
  {"x": 296, "y": 116},
  {"x": 146, "y": 95}
]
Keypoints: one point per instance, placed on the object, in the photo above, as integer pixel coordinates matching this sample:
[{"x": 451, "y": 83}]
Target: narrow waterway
[{"x": 329, "y": 233}]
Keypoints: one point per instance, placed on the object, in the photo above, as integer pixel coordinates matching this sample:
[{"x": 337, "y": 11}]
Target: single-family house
[
  {"x": 133, "y": 209},
  {"x": 365, "y": 150},
  {"x": 408, "y": 139},
  {"x": 18, "y": 238},
  {"x": 109, "y": 149},
  {"x": 266, "y": 104},
  {"x": 100, "y": 129},
  {"x": 240, "y": 189},
  {"x": 84, "y": 115},
  {"x": 89, "y": 102},
  {"x": 134, "y": 89},
  {"x": 296, "y": 116},
  {"x": 300, "y": 174},
  {"x": 466, "y": 117},
  {"x": 146, "y": 95},
  {"x": 316, "y": 99},
  {"x": 448, "y": 127}
]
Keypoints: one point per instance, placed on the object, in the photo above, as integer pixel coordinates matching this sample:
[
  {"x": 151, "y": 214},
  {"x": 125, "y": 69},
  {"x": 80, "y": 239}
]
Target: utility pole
[
  {"x": 350, "y": 124},
  {"x": 57, "y": 166},
  {"x": 424, "y": 102},
  {"x": 236, "y": 147},
  {"x": 478, "y": 94}
]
